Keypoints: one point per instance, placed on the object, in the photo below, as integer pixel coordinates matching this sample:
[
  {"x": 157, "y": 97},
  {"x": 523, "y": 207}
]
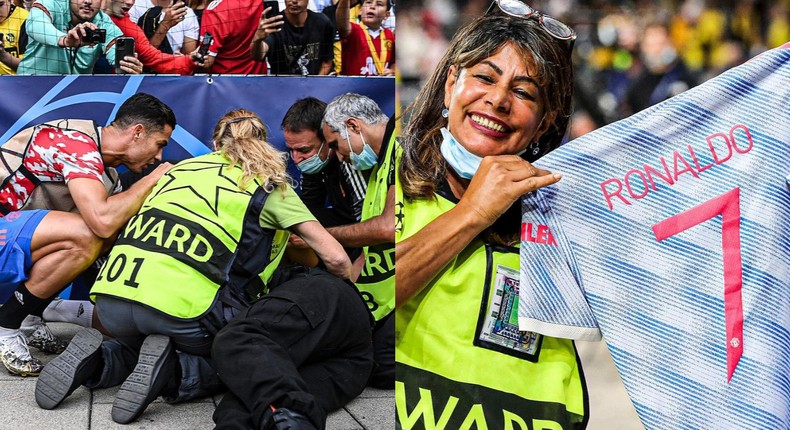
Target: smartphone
[
  {"x": 205, "y": 43},
  {"x": 275, "y": 5},
  {"x": 124, "y": 47},
  {"x": 178, "y": 2}
]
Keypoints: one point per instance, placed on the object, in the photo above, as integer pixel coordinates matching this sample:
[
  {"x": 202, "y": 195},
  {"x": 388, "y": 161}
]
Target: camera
[{"x": 94, "y": 36}]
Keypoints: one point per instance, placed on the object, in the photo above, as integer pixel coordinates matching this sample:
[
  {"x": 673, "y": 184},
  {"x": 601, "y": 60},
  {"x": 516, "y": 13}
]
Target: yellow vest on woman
[
  {"x": 181, "y": 247},
  {"x": 460, "y": 361}
]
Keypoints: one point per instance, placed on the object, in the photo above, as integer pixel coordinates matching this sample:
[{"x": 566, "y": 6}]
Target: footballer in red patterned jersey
[
  {"x": 45, "y": 249},
  {"x": 54, "y": 155}
]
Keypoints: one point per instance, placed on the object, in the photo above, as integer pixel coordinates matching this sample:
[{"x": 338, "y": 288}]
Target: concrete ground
[
  {"x": 610, "y": 408},
  {"x": 86, "y": 409}
]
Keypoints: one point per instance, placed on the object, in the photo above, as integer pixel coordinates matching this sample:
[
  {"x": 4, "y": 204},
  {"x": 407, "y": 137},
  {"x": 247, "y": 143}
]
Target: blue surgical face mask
[
  {"x": 364, "y": 160},
  {"x": 314, "y": 163},
  {"x": 459, "y": 158}
]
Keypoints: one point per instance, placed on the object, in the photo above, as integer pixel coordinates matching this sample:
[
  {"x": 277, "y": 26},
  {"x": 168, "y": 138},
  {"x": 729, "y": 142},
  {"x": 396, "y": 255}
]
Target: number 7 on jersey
[{"x": 728, "y": 206}]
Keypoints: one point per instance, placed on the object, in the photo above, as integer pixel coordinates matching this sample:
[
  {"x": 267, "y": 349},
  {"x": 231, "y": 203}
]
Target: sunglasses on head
[{"x": 552, "y": 25}]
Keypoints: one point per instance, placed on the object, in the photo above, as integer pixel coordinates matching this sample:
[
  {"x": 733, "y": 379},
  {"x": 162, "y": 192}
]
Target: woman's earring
[
  {"x": 445, "y": 113},
  {"x": 534, "y": 148}
]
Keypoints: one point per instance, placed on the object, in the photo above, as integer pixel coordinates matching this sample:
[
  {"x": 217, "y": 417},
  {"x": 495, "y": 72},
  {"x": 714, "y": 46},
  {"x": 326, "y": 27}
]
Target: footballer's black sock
[{"x": 21, "y": 304}]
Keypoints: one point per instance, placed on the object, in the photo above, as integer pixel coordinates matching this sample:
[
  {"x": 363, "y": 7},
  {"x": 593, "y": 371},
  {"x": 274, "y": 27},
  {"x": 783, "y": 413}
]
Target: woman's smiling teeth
[{"x": 487, "y": 123}]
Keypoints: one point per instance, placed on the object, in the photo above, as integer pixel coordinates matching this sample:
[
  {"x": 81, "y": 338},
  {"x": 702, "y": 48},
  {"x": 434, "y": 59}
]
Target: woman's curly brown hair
[{"x": 423, "y": 167}]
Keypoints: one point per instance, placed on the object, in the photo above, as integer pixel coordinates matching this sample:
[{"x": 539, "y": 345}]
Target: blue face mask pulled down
[
  {"x": 366, "y": 159},
  {"x": 313, "y": 164},
  {"x": 459, "y": 158}
]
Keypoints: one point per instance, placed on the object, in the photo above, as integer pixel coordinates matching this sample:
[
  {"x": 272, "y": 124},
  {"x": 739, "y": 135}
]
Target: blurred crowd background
[{"x": 628, "y": 55}]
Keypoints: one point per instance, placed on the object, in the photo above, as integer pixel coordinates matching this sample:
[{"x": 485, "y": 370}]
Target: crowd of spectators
[
  {"x": 280, "y": 37},
  {"x": 628, "y": 55}
]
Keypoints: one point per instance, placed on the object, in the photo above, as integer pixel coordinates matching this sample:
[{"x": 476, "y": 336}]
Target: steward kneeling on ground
[{"x": 203, "y": 246}]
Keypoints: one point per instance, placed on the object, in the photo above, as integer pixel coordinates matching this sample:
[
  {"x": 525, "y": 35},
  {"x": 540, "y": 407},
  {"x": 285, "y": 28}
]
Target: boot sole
[
  {"x": 136, "y": 392},
  {"x": 55, "y": 381}
]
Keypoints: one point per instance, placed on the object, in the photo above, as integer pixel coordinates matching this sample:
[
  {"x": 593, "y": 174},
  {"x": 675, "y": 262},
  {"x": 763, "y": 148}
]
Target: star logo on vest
[
  {"x": 183, "y": 183},
  {"x": 399, "y": 216}
]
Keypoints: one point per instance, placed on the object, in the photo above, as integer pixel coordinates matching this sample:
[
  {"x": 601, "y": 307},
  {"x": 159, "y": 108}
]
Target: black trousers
[
  {"x": 384, "y": 353},
  {"x": 305, "y": 346}
]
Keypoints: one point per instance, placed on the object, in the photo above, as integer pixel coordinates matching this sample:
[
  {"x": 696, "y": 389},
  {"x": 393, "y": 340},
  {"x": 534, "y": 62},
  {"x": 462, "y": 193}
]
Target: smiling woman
[
  {"x": 495, "y": 107},
  {"x": 499, "y": 99}
]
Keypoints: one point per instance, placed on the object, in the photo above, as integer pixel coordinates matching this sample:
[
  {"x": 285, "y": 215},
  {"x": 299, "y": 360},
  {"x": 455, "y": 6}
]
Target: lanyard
[{"x": 378, "y": 60}]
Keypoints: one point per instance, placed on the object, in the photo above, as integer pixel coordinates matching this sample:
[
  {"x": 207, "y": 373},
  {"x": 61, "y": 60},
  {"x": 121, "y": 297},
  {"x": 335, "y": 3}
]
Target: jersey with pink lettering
[{"x": 668, "y": 235}]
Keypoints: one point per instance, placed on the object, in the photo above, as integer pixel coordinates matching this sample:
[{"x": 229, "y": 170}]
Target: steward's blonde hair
[{"x": 241, "y": 137}]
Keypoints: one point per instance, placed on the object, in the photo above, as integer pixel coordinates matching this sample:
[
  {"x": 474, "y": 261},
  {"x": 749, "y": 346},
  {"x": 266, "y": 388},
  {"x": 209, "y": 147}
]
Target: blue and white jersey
[{"x": 670, "y": 235}]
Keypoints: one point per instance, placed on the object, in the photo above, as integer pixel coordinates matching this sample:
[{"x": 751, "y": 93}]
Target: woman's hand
[{"x": 500, "y": 181}]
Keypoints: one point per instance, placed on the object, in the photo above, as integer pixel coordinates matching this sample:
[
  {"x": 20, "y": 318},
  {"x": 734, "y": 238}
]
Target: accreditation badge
[{"x": 498, "y": 320}]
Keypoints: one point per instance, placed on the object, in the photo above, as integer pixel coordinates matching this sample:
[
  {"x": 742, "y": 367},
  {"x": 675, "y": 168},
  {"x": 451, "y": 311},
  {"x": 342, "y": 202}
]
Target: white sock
[
  {"x": 78, "y": 312},
  {"x": 8, "y": 332},
  {"x": 29, "y": 324}
]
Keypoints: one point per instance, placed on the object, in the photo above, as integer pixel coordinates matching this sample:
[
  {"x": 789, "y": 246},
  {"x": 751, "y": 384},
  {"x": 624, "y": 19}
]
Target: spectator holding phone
[
  {"x": 65, "y": 39},
  {"x": 170, "y": 25},
  {"x": 368, "y": 49},
  {"x": 331, "y": 13},
  {"x": 150, "y": 57},
  {"x": 299, "y": 45},
  {"x": 13, "y": 38},
  {"x": 232, "y": 23}
]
